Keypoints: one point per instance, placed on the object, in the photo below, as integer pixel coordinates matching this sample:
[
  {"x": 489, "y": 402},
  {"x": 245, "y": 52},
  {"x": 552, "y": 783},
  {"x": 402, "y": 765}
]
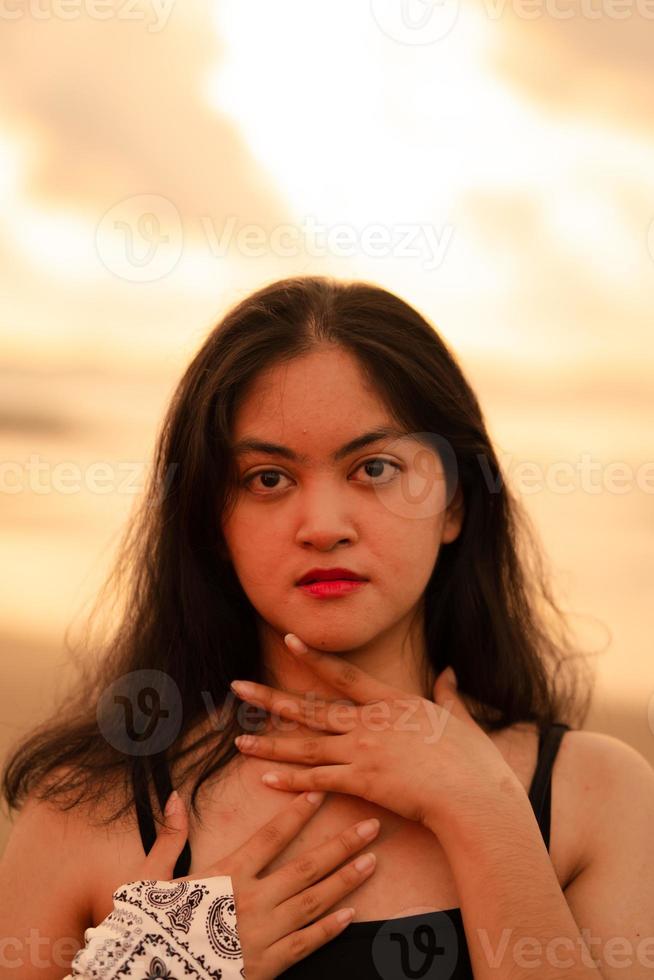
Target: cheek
[
  {"x": 405, "y": 553},
  {"x": 254, "y": 550}
]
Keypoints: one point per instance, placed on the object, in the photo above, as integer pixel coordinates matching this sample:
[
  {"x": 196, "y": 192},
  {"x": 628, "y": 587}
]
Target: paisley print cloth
[{"x": 165, "y": 930}]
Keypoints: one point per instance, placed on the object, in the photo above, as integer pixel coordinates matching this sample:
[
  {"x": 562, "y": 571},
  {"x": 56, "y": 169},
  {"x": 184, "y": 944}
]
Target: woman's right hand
[{"x": 277, "y": 915}]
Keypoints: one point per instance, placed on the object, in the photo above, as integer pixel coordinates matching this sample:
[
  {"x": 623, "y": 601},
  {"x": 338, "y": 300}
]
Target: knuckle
[
  {"x": 309, "y": 903},
  {"x": 348, "y": 675},
  {"x": 271, "y": 835},
  {"x": 305, "y": 867},
  {"x": 310, "y": 749},
  {"x": 366, "y": 741},
  {"x": 298, "y": 945},
  {"x": 349, "y": 875}
]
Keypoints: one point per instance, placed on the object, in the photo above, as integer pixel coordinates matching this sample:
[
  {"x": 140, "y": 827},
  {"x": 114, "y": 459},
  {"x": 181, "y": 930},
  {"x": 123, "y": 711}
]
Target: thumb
[{"x": 171, "y": 837}]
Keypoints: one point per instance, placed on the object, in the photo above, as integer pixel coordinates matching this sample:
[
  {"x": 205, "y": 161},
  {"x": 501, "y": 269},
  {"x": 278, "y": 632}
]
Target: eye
[
  {"x": 271, "y": 475},
  {"x": 268, "y": 474},
  {"x": 378, "y": 463}
]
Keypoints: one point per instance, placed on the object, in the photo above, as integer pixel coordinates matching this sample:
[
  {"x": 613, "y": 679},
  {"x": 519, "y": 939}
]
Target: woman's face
[{"x": 378, "y": 510}]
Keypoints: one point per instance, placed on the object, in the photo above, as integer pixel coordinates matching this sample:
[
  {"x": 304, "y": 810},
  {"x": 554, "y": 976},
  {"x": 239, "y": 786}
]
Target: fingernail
[
  {"x": 270, "y": 779},
  {"x": 295, "y": 643},
  {"x": 365, "y": 862},
  {"x": 367, "y": 827},
  {"x": 315, "y": 797},
  {"x": 345, "y": 915},
  {"x": 243, "y": 687}
]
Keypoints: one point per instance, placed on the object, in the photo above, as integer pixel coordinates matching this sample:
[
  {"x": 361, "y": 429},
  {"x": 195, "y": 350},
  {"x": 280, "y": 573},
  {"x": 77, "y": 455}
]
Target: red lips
[{"x": 329, "y": 575}]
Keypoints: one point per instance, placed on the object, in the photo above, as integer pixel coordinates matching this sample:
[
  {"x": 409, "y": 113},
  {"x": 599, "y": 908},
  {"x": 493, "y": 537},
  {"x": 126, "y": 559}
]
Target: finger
[
  {"x": 310, "y": 751},
  {"x": 318, "y": 714},
  {"x": 338, "y": 779},
  {"x": 297, "y": 945},
  {"x": 293, "y": 878},
  {"x": 358, "y": 685},
  {"x": 312, "y": 901},
  {"x": 169, "y": 843},
  {"x": 271, "y": 839}
]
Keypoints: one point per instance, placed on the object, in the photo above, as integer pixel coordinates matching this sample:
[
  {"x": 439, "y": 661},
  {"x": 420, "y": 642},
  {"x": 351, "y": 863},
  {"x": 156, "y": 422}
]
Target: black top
[{"x": 430, "y": 945}]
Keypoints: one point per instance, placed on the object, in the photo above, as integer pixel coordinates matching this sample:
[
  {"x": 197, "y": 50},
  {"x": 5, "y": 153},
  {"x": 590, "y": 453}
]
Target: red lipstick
[{"x": 330, "y": 583}]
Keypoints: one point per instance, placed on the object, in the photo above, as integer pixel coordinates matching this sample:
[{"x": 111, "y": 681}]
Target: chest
[{"x": 412, "y": 873}]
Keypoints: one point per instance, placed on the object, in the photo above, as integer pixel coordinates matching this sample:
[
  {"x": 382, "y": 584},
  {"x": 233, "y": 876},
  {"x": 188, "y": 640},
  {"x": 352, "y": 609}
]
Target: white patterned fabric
[{"x": 165, "y": 930}]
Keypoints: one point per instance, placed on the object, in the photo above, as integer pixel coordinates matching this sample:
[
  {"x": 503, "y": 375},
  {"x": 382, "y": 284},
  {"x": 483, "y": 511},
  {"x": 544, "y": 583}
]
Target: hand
[
  {"x": 427, "y": 761},
  {"x": 272, "y": 910}
]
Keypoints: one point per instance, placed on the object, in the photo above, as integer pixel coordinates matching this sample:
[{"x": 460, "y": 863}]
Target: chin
[{"x": 335, "y": 639}]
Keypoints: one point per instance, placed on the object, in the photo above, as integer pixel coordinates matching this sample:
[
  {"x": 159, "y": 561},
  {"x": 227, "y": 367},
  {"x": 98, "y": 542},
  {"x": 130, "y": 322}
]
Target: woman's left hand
[{"x": 427, "y": 761}]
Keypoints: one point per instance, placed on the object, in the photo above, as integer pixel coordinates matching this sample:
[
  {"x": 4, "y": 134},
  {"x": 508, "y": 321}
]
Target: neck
[{"x": 397, "y": 658}]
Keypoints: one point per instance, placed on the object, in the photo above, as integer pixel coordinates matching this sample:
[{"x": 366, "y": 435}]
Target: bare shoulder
[
  {"x": 612, "y": 894},
  {"x": 47, "y": 874},
  {"x": 54, "y": 841},
  {"x": 595, "y": 779},
  {"x": 611, "y": 787}
]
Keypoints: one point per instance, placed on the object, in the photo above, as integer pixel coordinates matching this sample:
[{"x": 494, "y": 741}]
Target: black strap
[
  {"x": 142, "y": 799},
  {"x": 540, "y": 792}
]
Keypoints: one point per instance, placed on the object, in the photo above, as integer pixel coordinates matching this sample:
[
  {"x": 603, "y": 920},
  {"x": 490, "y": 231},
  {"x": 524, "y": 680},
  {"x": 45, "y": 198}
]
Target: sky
[{"x": 491, "y": 162}]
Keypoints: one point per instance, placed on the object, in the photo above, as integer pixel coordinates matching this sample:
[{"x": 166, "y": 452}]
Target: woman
[{"x": 325, "y": 429}]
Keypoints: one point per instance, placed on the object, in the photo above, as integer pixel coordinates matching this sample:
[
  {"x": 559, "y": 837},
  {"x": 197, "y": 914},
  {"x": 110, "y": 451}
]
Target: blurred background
[{"x": 492, "y": 162}]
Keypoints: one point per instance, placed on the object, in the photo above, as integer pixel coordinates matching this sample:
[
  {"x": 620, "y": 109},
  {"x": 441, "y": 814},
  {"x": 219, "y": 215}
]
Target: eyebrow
[{"x": 252, "y": 445}]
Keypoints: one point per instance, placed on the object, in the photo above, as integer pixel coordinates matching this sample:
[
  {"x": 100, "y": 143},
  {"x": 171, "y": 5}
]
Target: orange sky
[{"x": 500, "y": 177}]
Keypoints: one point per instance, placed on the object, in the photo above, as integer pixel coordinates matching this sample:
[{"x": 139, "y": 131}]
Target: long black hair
[{"x": 185, "y": 619}]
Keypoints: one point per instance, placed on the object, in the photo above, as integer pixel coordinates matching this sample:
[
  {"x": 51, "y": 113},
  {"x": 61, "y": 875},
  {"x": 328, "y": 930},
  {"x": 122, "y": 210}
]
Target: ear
[{"x": 453, "y": 517}]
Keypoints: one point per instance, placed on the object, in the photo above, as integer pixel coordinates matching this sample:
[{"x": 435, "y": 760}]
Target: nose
[{"x": 325, "y": 521}]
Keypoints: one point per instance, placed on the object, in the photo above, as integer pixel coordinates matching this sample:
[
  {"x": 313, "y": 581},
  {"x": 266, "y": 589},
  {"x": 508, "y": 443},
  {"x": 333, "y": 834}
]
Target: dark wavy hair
[{"x": 489, "y": 609}]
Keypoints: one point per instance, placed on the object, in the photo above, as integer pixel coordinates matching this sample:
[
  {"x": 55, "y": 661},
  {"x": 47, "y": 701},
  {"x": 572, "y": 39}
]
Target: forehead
[
  {"x": 319, "y": 405},
  {"x": 321, "y": 390}
]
